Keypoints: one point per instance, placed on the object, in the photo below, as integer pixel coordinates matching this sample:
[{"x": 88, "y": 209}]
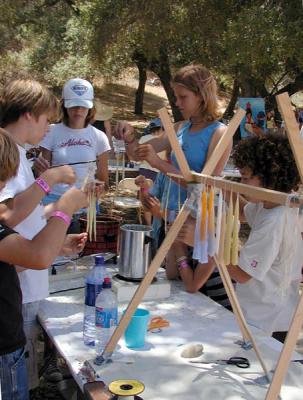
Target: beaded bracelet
[
  {"x": 43, "y": 185},
  {"x": 62, "y": 215}
]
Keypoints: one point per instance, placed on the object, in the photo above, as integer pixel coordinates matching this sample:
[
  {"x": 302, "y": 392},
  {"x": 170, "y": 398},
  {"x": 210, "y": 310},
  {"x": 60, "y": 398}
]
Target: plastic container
[
  {"x": 106, "y": 316},
  {"x": 93, "y": 286}
]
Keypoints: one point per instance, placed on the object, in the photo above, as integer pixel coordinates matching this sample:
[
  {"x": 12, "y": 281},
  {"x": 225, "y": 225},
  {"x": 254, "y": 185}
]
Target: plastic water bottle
[
  {"x": 93, "y": 286},
  {"x": 106, "y": 316}
]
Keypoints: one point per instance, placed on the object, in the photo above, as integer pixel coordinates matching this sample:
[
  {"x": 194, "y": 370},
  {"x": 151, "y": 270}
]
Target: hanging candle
[
  {"x": 235, "y": 238},
  {"x": 211, "y": 223},
  {"x": 218, "y": 221},
  {"x": 229, "y": 229},
  {"x": 222, "y": 233},
  {"x": 203, "y": 225}
]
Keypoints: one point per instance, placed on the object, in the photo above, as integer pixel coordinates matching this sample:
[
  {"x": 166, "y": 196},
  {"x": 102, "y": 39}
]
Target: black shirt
[{"x": 11, "y": 322}]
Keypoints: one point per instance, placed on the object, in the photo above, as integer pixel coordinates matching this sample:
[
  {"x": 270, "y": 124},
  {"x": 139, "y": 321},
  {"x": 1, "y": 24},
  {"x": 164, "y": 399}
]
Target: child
[
  {"x": 37, "y": 253},
  {"x": 75, "y": 140},
  {"x": 269, "y": 269},
  {"x": 26, "y": 106},
  {"x": 195, "y": 90}
]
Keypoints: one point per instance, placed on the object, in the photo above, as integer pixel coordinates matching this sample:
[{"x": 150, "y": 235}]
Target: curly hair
[{"x": 270, "y": 158}]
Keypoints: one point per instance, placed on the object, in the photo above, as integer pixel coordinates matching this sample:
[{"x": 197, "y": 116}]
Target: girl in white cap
[{"x": 74, "y": 140}]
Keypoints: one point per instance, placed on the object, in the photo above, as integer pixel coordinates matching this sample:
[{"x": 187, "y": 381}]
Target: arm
[
  {"x": 16, "y": 209},
  {"x": 238, "y": 274},
  {"x": 194, "y": 279},
  {"x": 102, "y": 169},
  {"x": 39, "y": 252},
  {"x": 213, "y": 143},
  {"x": 125, "y": 131}
]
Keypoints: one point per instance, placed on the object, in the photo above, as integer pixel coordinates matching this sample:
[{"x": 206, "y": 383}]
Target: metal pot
[{"x": 135, "y": 250}]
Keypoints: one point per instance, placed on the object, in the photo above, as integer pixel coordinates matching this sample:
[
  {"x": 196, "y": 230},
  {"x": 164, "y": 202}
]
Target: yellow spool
[{"x": 126, "y": 387}]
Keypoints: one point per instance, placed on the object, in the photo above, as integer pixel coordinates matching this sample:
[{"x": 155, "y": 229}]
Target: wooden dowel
[
  {"x": 285, "y": 356},
  {"x": 151, "y": 272},
  {"x": 292, "y": 129},
  {"x": 223, "y": 143},
  {"x": 238, "y": 311},
  {"x": 263, "y": 194},
  {"x": 170, "y": 131}
]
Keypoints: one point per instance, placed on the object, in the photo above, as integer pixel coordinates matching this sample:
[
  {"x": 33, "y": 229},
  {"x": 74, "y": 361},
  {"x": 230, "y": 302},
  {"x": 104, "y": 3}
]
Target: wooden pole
[
  {"x": 152, "y": 270},
  {"x": 285, "y": 356},
  {"x": 292, "y": 129},
  {"x": 171, "y": 134},
  {"x": 228, "y": 285},
  {"x": 263, "y": 194},
  {"x": 225, "y": 140}
]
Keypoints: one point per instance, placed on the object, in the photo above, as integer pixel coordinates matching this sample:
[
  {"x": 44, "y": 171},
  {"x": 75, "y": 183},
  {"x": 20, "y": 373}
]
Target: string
[{"x": 166, "y": 205}]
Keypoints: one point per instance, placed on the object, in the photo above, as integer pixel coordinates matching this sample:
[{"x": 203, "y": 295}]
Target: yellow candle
[
  {"x": 203, "y": 216},
  {"x": 235, "y": 239},
  {"x": 229, "y": 228}
]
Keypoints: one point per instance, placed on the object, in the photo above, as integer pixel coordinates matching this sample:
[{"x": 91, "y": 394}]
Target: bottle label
[
  {"x": 106, "y": 317},
  {"x": 91, "y": 292}
]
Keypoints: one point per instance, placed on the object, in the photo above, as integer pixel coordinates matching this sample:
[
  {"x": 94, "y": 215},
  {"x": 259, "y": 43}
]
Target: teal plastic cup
[{"x": 136, "y": 330}]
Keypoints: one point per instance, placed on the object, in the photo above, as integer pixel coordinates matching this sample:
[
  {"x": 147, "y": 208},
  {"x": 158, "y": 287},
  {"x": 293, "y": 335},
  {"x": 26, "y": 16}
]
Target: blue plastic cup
[{"x": 136, "y": 330}]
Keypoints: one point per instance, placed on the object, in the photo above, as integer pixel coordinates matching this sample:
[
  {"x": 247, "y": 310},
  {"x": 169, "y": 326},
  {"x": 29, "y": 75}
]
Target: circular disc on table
[
  {"x": 131, "y": 202},
  {"x": 126, "y": 387}
]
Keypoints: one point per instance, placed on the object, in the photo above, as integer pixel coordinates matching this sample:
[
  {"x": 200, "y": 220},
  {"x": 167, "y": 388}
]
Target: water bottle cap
[
  {"x": 107, "y": 283},
  {"x": 99, "y": 260}
]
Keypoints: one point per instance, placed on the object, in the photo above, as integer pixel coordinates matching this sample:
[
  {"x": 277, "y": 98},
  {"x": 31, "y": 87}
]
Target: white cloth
[
  {"x": 272, "y": 256},
  {"x": 75, "y": 145},
  {"x": 34, "y": 284}
]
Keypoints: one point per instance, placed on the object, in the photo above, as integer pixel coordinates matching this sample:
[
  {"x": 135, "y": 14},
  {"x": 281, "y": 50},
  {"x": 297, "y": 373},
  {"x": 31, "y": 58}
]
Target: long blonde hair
[{"x": 199, "y": 80}]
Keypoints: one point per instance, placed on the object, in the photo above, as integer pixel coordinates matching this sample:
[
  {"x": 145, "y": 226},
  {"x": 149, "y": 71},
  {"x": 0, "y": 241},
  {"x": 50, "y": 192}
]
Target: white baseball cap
[{"x": 78, "y": 92}]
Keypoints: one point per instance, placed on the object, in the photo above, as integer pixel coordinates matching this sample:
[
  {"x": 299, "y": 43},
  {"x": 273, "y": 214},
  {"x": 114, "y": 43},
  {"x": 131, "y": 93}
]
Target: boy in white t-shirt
[
  {"x": 26, "y": 106},
  {"x": 269, "y": 268}
]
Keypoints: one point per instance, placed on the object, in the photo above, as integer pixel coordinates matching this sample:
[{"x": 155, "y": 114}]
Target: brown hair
[
  {"x": 90, "y": 118},
  {"x": 199, "y": 80},
  {"x": 9, "y": 157},
  {"x": 270, "y": 158},
  {"x": 22, "y": 96}
]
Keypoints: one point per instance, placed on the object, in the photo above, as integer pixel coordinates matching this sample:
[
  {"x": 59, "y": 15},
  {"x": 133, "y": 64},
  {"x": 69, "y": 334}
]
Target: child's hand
[
  {"x": 147, "y": 152},
  {"x": 73, "y": 244},
  {"x": 187, "y": 232},
  {"x": 153, "y": 205},
  {"x": 40, "y": 165},
  {"x": 141, "y": 181},
  {"x": 96, "y": 187},
  {"x": 64, "y": 174},
  {"x": 124, "y": 131}
]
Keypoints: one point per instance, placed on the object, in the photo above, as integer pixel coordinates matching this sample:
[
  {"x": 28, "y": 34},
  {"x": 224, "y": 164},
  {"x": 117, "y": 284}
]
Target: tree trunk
[
  {"x": 162, "y": 68},
  {"x": 141, "y": 87},
  {"x": 229, "y": 112}
]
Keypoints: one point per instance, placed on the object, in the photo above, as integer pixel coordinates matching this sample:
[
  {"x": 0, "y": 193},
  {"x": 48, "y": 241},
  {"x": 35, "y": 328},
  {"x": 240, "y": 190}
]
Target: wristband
[
  {"x": 43, "y": 185},
  {"x": 144, "y": 190},
  {"x": 62, "y": 215},
  {"x": 183, "y": 265}
]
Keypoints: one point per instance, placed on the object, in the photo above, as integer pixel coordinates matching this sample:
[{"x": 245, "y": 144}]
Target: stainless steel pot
[{"x": 135, "y": 250}]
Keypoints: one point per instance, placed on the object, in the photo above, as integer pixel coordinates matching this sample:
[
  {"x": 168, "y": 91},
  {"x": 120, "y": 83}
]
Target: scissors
[
  {"x": 157, "y": 323},
  {"x": 240, "y": 362}
]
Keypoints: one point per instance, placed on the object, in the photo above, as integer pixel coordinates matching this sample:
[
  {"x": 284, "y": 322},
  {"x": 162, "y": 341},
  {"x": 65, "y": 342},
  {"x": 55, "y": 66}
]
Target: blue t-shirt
[{"x": 195, "y": 147}]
